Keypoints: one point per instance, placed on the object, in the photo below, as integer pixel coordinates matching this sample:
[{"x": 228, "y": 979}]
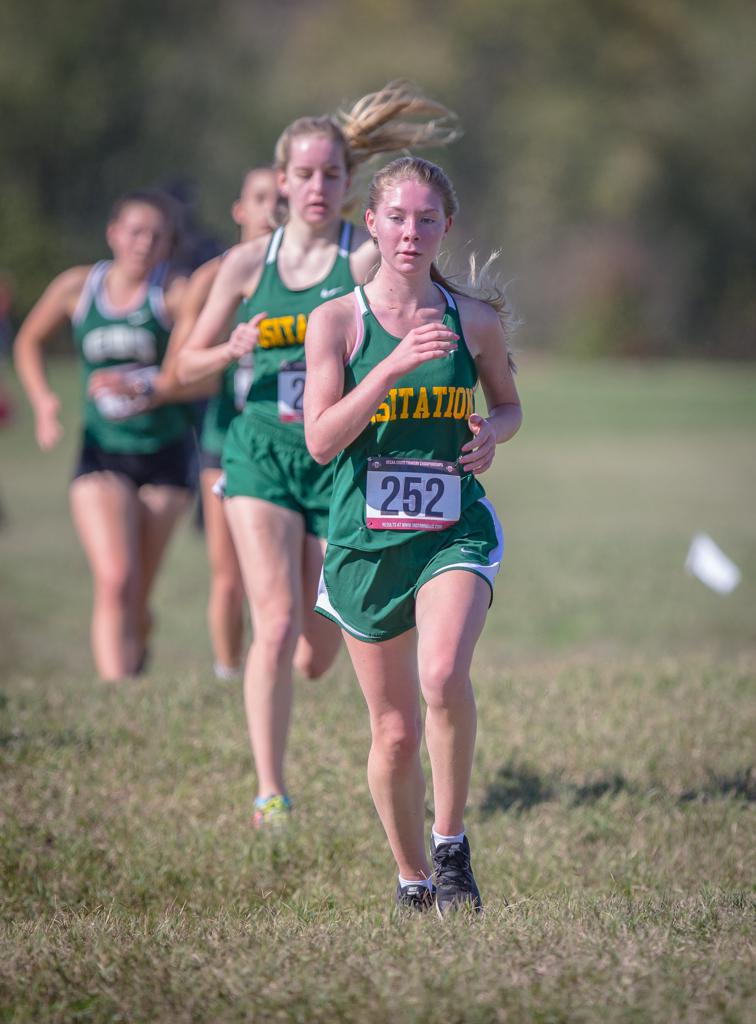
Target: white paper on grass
[{"x": 710, "y": 564}]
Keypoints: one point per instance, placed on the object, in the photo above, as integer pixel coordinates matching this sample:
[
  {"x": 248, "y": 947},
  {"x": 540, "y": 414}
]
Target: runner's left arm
[{"x": 487, "y": 342}]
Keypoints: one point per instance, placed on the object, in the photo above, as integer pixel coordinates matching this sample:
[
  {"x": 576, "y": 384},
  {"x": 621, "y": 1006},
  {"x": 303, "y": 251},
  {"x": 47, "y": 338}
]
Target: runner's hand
[
  {"x": 117, "y": 381},
  {"x": 47, "y": 426},
  {"x": 481, "y": 448},
  {"x": 430, "y": 340},
  {"x": 244, "y": 337}
]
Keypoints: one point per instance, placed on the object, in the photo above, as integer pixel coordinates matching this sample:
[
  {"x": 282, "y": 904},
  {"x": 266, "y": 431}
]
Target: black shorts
[
  {"x": 174, "y": 466},
  {"x": 209, "y": 460}
]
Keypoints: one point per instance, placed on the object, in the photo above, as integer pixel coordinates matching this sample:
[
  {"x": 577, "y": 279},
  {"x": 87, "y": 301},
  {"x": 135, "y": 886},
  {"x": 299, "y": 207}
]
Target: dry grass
[{"x": 613, "y": 794}]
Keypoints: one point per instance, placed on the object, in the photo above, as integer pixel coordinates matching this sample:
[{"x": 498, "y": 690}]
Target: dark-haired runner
[{"x": 132, "y": 478}]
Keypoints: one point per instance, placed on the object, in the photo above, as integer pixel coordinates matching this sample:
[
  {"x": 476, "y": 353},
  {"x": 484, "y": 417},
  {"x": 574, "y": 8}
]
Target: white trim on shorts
[
  {"x": 219, "y": 487},
  {"x": 490, "y": 571},
  {"x": 324, "y": 603}
]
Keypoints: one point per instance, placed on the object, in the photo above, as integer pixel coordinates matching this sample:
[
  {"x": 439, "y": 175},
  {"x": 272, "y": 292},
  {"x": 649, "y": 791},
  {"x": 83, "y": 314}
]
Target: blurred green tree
[{"x": 609, "y": 148}]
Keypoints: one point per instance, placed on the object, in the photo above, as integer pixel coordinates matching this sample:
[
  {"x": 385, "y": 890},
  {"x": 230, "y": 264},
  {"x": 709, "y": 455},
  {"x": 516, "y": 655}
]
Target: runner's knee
[
  {"x": 113, "y": 583},
  {"x": 227, "y": 587},
  {"x": 397, "y": 739},
  {"x": 277, "y": 635},
  {"x": 312, "y": 664},
  {"x": 444, "y": 683}
]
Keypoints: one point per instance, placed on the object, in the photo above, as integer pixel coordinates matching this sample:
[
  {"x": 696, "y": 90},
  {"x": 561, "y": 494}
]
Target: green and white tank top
[
  {"x": 400, "y": 477},
  {"x": 275, "y": 397},
  {"x": 107, "y": 338}
]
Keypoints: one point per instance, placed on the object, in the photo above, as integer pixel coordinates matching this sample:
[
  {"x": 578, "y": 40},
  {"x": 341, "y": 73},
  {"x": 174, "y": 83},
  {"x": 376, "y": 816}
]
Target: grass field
[{"x": 612, "y": 799}]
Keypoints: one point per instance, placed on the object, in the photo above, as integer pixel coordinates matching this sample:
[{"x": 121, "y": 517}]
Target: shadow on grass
[
  {"x": 517, "y": 788},
  {"x": 740, "y": 784}
]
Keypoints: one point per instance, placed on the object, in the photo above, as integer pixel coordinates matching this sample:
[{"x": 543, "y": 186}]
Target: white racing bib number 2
[
  {"x": 411, "y": 494},
  {"x": 291, "y": 382}
]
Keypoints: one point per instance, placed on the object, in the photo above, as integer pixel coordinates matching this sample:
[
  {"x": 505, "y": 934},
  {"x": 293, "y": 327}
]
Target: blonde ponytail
[
  {"x": 377, "y": 123},
  {"x": 484, "y": 284}
]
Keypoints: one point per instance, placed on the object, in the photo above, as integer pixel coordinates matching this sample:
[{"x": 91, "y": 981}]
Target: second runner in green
[{"x": 277, "y": 496}]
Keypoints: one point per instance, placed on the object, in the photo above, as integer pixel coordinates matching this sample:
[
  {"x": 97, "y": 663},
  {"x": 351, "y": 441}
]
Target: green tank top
[
  {"x": 399, "y": 477},
  {"x": 105, "y": 338},
  {"x": 275, "y": 397},
  {"x": 230, "y": 400}
]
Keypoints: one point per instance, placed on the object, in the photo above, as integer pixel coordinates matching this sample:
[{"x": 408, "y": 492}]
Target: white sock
[
  {"x": 427, "y": 882},
  {"x": 226, "y": 672},
  {"x": 447, "y": 839}
]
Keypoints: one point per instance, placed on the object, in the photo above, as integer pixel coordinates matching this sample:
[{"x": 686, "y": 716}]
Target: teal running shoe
[{"x": 271, "y": 811}]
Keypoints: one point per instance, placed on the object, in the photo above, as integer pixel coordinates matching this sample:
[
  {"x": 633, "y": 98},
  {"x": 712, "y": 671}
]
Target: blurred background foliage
[{"x": 609, "y": 147}]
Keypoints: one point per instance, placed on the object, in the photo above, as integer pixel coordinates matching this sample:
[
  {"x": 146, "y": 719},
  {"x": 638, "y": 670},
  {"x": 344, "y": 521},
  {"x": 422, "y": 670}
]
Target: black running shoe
[
  {"x": 415, "y": 896},
  {"x": 455, "y": 882}
]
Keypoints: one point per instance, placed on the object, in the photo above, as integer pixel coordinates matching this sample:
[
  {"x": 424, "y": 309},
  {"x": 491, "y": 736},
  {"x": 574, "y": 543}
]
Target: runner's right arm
[
  {"x": 204, "y": 353},
  {"x": 47, "y": 316}
]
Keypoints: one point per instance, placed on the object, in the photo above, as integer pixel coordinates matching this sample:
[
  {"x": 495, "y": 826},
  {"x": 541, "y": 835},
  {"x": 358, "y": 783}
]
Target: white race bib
[
  {"x": 115, "y": 406},
  {"x": 411, "y": 494},
  {"x": 291, "y": 383}
]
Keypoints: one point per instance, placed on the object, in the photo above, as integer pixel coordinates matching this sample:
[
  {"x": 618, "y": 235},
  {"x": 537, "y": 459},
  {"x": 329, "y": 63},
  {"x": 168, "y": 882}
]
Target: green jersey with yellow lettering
[
  {"x": 400, "y": 477},
  {"x": 275, "y": 396},
  {"x": 106, "y": 338}
]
